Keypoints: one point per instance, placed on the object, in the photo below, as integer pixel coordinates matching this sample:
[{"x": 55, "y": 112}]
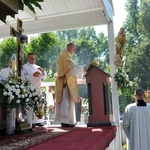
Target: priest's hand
[{"x": 36, "y": 74}]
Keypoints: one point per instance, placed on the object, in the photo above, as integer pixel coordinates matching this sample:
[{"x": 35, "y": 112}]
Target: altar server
[
  {"x": 4, "y": 74},
  {"x": 136, "y": 123},
  {"x": 34, "y": 73}
]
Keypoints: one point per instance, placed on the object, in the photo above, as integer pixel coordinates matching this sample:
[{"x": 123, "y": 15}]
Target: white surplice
[
  {"x": 136, "y": 124},
  {"x": 27, "y": 72},
  {"x": 5, "y": 73},
  {"x": 65, "y": 110}
]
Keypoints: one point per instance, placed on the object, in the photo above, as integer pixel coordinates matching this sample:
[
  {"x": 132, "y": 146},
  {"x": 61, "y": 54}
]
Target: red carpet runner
[{"x": 80, "y": 139}]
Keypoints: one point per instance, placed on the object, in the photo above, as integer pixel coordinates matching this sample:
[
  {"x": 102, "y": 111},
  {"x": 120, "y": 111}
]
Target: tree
[
  {"x": 137, "y": 48},
  {"x": 7, "y": 48},
  {"x": 46, "y": 48},
  {"x": 145, "y": 16},
  {"x": 131, "y": 24},
  {"x": 89, "y": 45},
  {"x": 138, "y": 65}
]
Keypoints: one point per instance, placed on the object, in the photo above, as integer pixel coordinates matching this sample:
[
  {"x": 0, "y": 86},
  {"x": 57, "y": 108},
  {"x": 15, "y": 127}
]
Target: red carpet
[
  {"x": 80, "y": 139},
  {"x": 25, "y": 140}
]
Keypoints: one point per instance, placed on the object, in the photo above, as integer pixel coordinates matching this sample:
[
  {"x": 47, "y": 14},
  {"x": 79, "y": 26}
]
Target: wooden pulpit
[{"x": 100, "y": 112}]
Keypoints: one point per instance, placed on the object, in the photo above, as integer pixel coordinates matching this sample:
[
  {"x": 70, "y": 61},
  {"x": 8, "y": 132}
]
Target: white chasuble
[
  {"x": 65, "y": 110},
  {"x": 136, "y": 124}
]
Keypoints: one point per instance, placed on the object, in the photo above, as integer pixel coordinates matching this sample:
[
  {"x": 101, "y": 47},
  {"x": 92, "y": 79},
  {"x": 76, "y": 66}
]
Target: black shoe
[
  {"x": 72, "y": 125},
  {"x": 67, "y": 125},
  {"x": 39, "y": 124},
  {"x": 33, "y": 125}
]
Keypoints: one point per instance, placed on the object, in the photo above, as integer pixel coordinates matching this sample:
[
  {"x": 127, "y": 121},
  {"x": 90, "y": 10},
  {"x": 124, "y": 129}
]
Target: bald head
[{"x": 71, "y": 48}]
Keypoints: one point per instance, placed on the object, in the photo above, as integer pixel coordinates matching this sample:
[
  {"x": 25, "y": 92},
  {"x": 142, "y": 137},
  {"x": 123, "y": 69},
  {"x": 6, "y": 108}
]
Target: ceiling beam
[{"x": 58, "y": 23}]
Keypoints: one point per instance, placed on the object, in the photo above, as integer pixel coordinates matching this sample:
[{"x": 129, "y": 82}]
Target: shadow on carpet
[{"x": 25, "y": 140}]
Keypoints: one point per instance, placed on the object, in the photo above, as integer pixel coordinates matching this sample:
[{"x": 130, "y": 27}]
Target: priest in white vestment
[
  {"x": 136, "y": 123},
  {"x": 4, "y": 73},
  {"x": 66, "y": 87},
  {"x": 34, "y": 73}
]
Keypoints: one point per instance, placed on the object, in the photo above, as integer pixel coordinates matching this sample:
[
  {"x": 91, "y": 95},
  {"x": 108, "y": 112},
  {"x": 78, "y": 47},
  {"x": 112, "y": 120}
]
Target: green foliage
[
  {"x": 138, "y": 64},
  {"x": 124, "y": 147},
  {"x": 137, "y": 48},
  {"x": 29, "y": 3},
  {"x": 7, "y": 48},
  {"x": 145, "y": 14},
  {"x": 122, "y": 79},
  {"x": 89, "y": 46},
  {"x": 85, "y": 106},
  {"x": 48, "y": 46}
]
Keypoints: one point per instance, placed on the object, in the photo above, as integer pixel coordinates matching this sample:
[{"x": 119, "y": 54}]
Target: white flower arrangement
[{"x": 20, "y": 93}]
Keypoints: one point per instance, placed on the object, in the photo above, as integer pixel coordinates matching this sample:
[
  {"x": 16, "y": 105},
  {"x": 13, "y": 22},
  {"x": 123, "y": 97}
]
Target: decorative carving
[{"x": 120, "y": 41}]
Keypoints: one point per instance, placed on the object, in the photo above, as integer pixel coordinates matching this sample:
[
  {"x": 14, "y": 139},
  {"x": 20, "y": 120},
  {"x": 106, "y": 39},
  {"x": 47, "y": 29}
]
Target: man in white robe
[
  {"x": 66, "y": 91},
  {"x": 34, "y": 73},
  {"x": 4, "y": 74},
  {"x": 136, "y": 123}
]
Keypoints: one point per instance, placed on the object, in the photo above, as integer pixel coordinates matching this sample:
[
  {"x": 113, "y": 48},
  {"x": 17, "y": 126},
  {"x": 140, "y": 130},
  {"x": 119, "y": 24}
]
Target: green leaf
[
  {"x": 30, "y": 7},
  {"x": 3, "y": 19},
  {"x": 38, "y": 5},
  {"x": 13, "y": 104},
  {"x": 21, "y": 5},
  {"x": 40, "y": 0},
  {"x": 13, "y": 16},
  {"x": 35, "y": 3}
]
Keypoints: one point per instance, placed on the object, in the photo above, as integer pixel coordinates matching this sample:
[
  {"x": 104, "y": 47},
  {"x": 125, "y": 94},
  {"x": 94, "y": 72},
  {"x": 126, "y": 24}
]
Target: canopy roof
[
  {"x": 67, "y": 14},
  {"x": 60, "y": 15}
]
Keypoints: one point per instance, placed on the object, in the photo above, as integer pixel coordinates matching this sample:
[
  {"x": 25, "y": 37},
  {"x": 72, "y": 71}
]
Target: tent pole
[{"x": 115, "y": 99}]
